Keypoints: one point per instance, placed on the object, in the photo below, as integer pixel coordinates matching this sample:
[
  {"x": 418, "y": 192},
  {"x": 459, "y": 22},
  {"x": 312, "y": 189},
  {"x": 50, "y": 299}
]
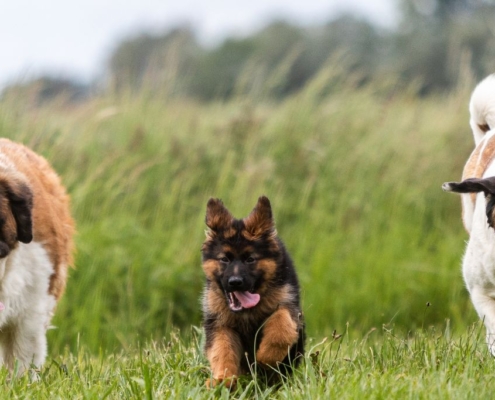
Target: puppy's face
[
  {"x": 240, "y": 255},
  {"x": 16, "y": 203}
]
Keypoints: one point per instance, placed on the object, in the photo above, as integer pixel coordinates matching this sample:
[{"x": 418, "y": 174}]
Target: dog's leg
[
  {"x": 280, "y": 332},
  {"x": 7, "y": 346},
  {"x": 224, "y": 355},
  {"x": 478, "y": 273},
  {"x": 26, "y": 345},
  {"x": 485, "y": 307}
]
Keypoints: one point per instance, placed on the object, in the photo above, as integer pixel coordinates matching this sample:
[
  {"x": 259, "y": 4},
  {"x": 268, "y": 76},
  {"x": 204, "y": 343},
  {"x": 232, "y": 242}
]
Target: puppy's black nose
[{"x": 235, "y": 282}]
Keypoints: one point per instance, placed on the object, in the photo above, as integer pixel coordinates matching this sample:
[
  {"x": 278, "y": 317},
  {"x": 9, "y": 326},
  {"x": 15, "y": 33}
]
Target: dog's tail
[
  {"x": 482, "y": 108},
  {"x": 472, "y": 185},
  {"x": 475, "y": 185}
]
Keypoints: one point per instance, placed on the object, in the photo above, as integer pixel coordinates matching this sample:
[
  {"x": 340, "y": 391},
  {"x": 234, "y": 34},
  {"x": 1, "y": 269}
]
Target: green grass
[
  {"x": 378, "y": 365},
  {"x": 354, "y": 176}
]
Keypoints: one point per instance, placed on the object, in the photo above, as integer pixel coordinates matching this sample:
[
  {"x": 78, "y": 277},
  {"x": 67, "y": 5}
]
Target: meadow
[
  {"x": 354, "y": 175},
  {"x": 426, "y": 366}
]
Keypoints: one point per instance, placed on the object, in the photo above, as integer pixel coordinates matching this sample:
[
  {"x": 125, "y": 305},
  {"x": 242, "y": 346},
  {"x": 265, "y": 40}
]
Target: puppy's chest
[{"x": 246, "y": 324}]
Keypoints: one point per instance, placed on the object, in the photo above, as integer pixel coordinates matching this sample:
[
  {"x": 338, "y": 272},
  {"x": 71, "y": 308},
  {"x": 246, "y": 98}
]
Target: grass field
[
  {"x": 354, "y": 177},
  {"x": 429, "y": 364}
]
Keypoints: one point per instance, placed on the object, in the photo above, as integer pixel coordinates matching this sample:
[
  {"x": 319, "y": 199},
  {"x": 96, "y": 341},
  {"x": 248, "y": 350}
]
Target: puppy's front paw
[
  {"x": 271, "y": 355},
  {"x": 279, "y": 334},
  {"x": 229, "y": 383}
]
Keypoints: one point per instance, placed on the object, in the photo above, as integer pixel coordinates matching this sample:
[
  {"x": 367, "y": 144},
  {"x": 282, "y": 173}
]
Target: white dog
[
  {"x": 35, "y": 250},
  {"x": 478, "y": 207}
]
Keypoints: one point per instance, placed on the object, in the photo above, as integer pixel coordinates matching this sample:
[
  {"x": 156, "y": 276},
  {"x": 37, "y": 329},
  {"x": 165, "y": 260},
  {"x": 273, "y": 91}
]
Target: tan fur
[
  {"x": 280, "y": 332},
  {"x": 269, "y": 267},
  {"x": 227, "y": 233},
  {"x": 216, "y": 300},
  {"x": 52, "y": 223},
  {"x": 224, "y": 355},
  {"x": 217, "y": 216},
  {"x": 259, "y": 221},
  {"x": 209, "y": 268},
  {"x": 479, "y": 159}
]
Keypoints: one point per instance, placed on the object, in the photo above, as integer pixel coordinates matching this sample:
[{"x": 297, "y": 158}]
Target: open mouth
[{"x": 242, "y": 300}]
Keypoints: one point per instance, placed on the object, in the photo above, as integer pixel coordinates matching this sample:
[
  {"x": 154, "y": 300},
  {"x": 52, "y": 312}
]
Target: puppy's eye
[
  {"x": 224, "y": 259},
  {"x": 250, "y": 260}
]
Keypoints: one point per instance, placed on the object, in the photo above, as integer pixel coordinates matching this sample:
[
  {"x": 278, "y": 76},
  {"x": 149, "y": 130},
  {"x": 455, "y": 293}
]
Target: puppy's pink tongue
[
  {"x": 247, "y": 299},
  {"x": 2, "y": 306}
]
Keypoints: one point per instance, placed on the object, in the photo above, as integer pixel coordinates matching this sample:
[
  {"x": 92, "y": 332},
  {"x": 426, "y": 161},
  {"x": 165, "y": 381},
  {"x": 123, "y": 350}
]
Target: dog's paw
[
  {"x": 271, "y": 355},
  {"x": 229, "y": 383}
]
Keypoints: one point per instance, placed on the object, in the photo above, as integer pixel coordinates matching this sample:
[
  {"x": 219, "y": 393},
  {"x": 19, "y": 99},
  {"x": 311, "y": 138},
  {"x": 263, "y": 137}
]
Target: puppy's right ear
[
  {"x": 217, "y": 216},
  {"x": 260, "y": 221},
  {"x": 475, "y": 185}
]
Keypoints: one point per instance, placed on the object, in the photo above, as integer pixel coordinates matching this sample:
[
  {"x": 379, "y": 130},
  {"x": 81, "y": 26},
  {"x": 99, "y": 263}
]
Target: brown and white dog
[
  {"x": 36, "y": 247},
  {"x": 478, "y": 207}
]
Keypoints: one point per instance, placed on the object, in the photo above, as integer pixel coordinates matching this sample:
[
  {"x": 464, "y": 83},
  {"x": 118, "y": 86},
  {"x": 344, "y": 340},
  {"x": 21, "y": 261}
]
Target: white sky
[{"x": 74, "y": 37}]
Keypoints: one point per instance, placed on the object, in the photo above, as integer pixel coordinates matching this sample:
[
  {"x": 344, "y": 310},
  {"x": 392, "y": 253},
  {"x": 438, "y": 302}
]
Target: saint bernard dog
[{"x": 36, "y": 248}]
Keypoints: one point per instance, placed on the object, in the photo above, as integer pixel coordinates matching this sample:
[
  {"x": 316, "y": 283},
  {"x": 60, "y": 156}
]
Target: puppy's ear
[
  {"x": 475, "y": 185},
  {"x": 260, "y": 221},
  {"x": 21, "y": 203},
  {"x": 217, "y": 216}
]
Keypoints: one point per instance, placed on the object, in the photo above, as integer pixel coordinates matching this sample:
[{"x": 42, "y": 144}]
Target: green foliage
[
  {"x": 149, "y": 61},
  {"x": 438, "y": 40}
]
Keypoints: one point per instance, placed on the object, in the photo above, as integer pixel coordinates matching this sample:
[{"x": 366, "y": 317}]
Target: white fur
[
  {"x": 482, "y": 107},
  {"x": 479, "y": 259},
  {"x": 24, "y": 281}
]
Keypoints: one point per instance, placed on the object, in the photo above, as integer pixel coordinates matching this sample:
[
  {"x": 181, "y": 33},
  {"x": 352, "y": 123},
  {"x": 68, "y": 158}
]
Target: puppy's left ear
[
  {"x": 260, "y": 221},
  {"x": 217, "y": 216},
  {"x": 21, "y": 203}
]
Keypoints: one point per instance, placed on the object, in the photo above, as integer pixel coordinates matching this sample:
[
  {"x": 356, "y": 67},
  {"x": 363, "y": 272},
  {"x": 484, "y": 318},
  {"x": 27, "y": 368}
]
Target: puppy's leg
[
  {"x": 26, "y": 344},
  {"x": 280, "y": 332},
  {"x": 224, "y": 355},
  {"x": 7, "y": 347},
  {"x": 485, "y": 306},
  {"x": 478, "y": 275}
]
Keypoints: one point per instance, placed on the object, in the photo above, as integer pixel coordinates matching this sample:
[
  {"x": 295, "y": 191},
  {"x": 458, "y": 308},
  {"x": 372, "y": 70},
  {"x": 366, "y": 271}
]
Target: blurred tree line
[{"x": 435, "y": 43}]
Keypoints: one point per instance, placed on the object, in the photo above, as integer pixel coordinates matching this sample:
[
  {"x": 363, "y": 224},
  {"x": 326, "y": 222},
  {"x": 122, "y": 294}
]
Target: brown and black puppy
[{"x": 251, "y": 305}]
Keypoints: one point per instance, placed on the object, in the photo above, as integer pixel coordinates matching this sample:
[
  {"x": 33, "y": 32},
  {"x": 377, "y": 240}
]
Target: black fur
[
  {"x": 475, "y": 185},
  {"x": 21, "y": 204}
]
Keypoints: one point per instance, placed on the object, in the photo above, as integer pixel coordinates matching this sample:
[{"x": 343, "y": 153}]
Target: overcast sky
[{"x": 73, "y": 37}]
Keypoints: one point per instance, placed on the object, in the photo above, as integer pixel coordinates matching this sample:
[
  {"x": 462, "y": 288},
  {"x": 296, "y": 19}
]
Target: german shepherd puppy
[{"x": 251, "y": 306}]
